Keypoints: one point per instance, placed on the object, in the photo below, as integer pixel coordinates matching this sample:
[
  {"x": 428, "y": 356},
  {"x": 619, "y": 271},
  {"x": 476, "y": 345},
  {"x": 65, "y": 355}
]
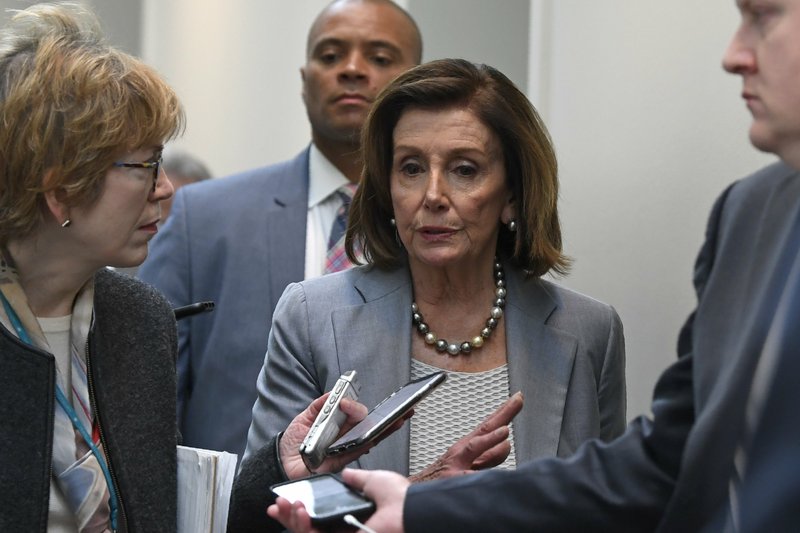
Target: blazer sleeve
[
  {"x": 286, "y": 385},
  {"x": 167, "y": 269},
  {"x": 287, "y": 382}
]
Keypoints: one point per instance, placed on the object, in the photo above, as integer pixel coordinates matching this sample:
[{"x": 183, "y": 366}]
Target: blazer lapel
[
  {"x": 284, "y": 227},
  {"x": 374, "y": 338},
  {"x": 540, "y": 361}
]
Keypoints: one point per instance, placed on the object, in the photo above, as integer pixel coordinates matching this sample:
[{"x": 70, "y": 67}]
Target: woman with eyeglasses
[{"x": 87, "y": 356}]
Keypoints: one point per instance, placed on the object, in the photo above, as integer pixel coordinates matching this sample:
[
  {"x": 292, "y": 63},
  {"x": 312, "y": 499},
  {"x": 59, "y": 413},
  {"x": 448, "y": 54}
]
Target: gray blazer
[
  {"x": 565, "y": 353},
  {"x": 237, "y": 241}
]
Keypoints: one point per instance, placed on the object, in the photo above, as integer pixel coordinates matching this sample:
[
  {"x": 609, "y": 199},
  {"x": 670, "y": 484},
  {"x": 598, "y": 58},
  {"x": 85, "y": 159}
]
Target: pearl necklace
[{"x": 466, "y": 347}]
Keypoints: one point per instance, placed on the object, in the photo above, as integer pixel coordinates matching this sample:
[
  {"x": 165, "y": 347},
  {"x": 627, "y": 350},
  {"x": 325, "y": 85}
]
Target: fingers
[
  {"x": 477, "y": 446},
  {"x": 377, "y": 485},
  {"x": 355, "y": 478},
  {"x": 293, "y": 516},
  {"x": 315, "y": 407},
  {"x": 493, "y": 456},
  {"x": 503, "y": 415},
  {"x": 355, "y": 411}
]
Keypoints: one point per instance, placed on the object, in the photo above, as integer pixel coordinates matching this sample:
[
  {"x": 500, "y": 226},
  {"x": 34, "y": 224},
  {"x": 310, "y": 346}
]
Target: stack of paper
[{"x": 205, "y": 480}]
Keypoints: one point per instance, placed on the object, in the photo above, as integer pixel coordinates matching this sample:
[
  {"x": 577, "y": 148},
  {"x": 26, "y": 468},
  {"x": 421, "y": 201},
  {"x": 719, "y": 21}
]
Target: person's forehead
[{"x": 351, "y": 21}]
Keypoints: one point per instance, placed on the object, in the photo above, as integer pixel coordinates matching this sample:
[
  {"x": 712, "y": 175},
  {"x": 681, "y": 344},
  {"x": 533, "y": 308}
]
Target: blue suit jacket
[
  {"x": 670, "y": 473},
  {"x": 237, "y": 241},
  {"x": 565, "y": 353}
]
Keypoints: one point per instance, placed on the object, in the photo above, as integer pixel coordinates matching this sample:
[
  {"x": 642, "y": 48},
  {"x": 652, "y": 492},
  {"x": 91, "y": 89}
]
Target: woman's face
[
  {"x": 448, "y": 186},
  {"x": 115, "y": 229}
]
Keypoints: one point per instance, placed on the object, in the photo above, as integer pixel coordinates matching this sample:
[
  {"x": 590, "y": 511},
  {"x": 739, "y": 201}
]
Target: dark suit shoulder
[{"x": 762, "y": 185}]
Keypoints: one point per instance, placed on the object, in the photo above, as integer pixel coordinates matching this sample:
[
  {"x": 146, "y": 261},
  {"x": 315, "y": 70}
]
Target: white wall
[
  {"x": 121, "y": 19},
  {"x": 235, "y": 65},
  {"x": 649, "y": 129}
]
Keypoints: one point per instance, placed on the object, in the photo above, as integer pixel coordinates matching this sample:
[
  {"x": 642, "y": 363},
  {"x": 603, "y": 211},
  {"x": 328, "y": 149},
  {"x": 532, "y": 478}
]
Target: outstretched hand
[{"x": 485, "y": 446}]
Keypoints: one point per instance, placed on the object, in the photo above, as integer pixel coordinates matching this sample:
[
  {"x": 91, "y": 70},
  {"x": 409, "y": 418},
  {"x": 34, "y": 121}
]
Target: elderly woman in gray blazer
[{"x": 456, "y": 221}]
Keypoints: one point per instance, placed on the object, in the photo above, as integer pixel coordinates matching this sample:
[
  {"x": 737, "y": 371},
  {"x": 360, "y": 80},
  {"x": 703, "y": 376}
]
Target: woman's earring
[
  {"x": 512, "y": 225},
  {"x": 66, "y": 223},
  {"x": 393, "y": 223}
]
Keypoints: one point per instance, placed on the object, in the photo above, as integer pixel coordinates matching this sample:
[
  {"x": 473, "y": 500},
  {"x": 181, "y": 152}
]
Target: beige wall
[{"x": 649, "y": 130}]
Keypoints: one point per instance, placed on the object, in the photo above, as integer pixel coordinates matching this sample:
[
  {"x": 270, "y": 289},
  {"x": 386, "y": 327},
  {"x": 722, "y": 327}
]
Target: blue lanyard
[{"x": 73, "y": 416}]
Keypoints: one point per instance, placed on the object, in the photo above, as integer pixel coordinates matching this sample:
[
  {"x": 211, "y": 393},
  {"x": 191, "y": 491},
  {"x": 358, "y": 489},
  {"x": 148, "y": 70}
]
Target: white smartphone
[
  {"x": 386, "y": 413},
  {"x": 329, "y": 420}
]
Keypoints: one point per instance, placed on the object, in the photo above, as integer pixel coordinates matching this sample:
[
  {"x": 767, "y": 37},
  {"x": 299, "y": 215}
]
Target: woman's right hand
[{"x": 485, "y": 446}]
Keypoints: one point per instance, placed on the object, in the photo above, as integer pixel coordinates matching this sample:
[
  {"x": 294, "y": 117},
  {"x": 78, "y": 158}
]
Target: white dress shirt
[{"x": 323, "y": 181}]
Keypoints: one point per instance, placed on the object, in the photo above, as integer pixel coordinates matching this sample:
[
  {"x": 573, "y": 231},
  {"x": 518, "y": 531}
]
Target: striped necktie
[{"x": 336, "y": 258}]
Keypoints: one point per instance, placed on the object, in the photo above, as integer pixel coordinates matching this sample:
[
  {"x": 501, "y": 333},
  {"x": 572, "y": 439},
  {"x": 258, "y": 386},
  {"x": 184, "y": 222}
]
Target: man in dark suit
[
  {"x": 240, "y": 240},
  {"x": 722, "y": 450}
]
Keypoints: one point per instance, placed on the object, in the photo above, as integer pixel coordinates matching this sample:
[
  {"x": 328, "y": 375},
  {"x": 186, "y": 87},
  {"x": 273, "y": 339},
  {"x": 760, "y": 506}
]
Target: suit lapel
[
  {"x": 540, "y": 361},
  {"x": 374, "y": 338},
  {"x": 284, "y": 226}
]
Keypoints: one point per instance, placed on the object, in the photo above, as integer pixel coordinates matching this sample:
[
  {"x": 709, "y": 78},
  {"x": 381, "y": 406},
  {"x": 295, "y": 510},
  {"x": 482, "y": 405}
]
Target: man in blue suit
[
  {"x": 240, "y": 240},
  {"x": 722, "y": 450}
]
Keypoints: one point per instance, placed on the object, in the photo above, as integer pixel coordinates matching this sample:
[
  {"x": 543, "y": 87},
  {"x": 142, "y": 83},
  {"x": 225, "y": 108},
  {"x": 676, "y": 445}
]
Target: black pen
[{"x": 192, "y": 309}]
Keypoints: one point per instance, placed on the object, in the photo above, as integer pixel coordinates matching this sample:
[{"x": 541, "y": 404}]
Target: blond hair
[{"x": 69, "y": 105}]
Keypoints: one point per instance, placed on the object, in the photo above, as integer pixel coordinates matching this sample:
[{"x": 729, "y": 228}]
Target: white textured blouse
[{"x": 452, "y": 410}]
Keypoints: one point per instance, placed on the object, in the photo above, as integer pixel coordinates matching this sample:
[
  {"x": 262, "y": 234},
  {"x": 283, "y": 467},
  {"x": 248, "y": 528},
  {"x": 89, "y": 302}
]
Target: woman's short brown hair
[
  {"x": 70, "y": 104},
  {"x": 530, "y": 162}
]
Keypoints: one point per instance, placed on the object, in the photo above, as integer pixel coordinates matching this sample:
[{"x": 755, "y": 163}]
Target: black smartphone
[
  {"x": 326, "y": 498},
  {"x": 386, "y": 413}
]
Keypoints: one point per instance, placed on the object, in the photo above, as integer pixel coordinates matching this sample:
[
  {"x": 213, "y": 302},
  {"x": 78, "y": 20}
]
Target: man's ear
[
  {"x": 55, "y": 197},
  {"x": 303, "y": 83}
]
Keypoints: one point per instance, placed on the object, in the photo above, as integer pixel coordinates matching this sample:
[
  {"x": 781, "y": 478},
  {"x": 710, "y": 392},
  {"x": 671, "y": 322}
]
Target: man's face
[
  {"x": 765, "y": 51},
  {"x": 354, "y": 50}
]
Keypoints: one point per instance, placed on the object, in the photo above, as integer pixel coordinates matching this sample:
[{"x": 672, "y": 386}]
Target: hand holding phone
[
  {"x": 326, "y": 498},
  {"x": 328, "y": 422},
  {"x": 383, "y": 415}
]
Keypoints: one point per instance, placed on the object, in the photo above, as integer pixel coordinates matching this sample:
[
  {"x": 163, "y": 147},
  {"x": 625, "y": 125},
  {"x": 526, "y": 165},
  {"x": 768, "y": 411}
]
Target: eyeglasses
[{"x": 155, "y": 165}]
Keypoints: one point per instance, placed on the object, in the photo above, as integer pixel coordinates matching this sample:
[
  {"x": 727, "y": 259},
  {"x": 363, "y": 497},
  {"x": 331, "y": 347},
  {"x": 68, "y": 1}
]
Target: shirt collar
[{"x": 323, "y": 177}]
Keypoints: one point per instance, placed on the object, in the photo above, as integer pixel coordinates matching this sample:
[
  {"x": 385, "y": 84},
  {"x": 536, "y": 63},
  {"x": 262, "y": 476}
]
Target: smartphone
[
  {"x": 330, "y": 418},
  {"x": 326, "y": 498},
  {"x": 387, "y": 412}
]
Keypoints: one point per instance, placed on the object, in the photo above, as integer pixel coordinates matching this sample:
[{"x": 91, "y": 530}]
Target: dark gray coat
[{"x": 132, "y": 351}]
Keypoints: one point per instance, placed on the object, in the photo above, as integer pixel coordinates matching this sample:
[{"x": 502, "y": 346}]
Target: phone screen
[
  {"x": 386, "y": 412},
  {"x": 325, "y": 497}
]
